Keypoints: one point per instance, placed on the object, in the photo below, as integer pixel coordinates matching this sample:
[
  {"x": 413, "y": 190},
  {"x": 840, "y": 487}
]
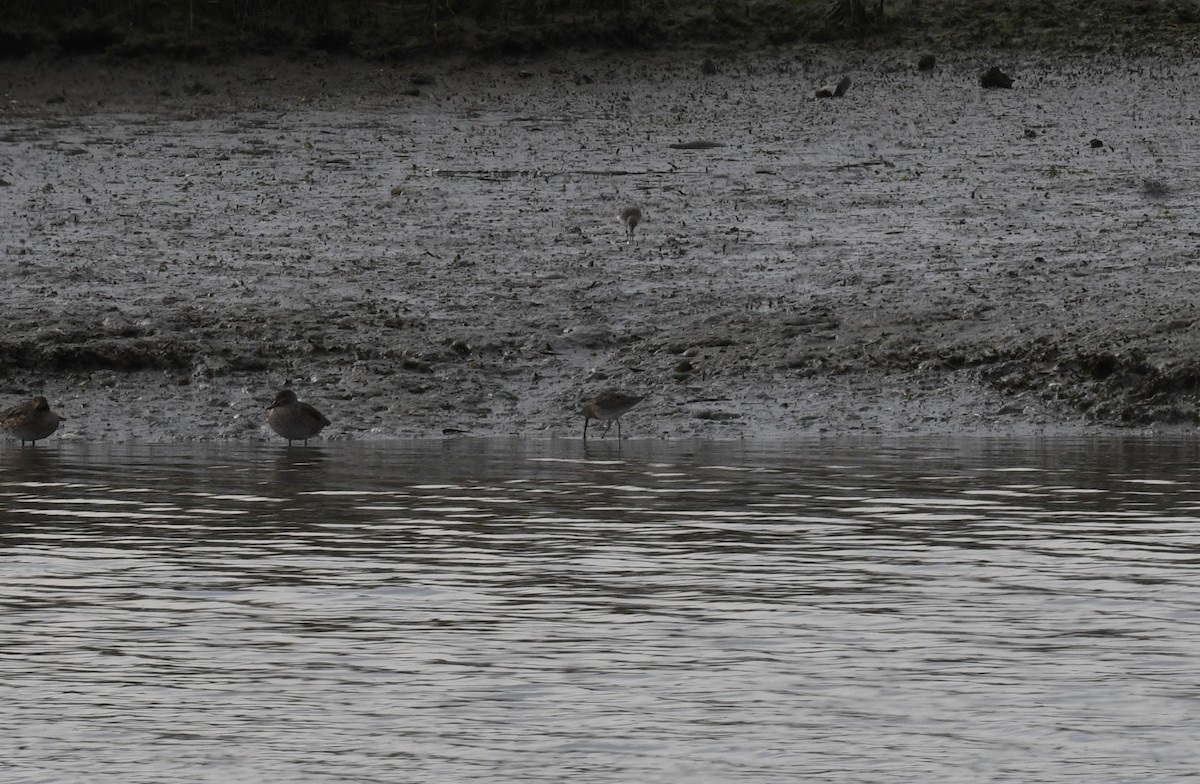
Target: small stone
[
  {"x": 994, "y": 77},
  {"x": 926, "y": 63},
  {"x": 708, "y": 67}
]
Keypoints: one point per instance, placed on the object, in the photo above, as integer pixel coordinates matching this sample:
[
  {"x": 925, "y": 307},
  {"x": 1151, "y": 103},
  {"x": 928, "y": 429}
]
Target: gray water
[{"x": 522, "y": 611}]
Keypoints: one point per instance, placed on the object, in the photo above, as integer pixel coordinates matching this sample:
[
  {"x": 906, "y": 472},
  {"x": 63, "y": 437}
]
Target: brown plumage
[
  {"x": 31, "y": 420},
  {"x": 630, "y": 218},
  {"x": 294, "y": 420},
  {"x": 608, "y": 405}
]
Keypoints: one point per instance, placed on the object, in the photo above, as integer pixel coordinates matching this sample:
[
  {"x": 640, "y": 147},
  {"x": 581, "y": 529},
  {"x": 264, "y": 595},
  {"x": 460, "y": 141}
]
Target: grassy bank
[{"x": 401, "y": 29}]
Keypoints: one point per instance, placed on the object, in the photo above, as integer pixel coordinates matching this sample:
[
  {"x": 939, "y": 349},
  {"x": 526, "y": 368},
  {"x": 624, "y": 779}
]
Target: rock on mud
[{"x": 994, "y": 77}]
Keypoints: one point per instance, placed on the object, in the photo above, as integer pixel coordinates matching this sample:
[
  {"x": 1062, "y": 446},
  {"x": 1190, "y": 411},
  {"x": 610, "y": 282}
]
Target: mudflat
[{"x": 436, "y": 249}]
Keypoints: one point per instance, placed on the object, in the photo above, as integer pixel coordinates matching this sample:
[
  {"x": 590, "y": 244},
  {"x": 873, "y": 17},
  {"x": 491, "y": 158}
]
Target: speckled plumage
[
  {"x": 609, "y": 405},
  {"x": 294, "y": 420},
  {"x": 31, "y": 420}
]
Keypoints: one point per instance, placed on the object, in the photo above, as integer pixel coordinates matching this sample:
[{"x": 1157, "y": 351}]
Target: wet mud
[{"x": 437, "y": 250}]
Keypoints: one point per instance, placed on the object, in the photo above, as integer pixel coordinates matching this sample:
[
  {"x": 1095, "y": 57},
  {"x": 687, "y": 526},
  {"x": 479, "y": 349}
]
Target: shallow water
[{"x": 875, "y": 610}]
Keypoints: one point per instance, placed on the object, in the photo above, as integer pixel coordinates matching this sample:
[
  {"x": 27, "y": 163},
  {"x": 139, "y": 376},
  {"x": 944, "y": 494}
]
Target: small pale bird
[
  {"x": 630, "y": 218},
  {"x": 294, "y": 420},
  {"x": 608, "y": 405},
  {"x": 31, "y": 420}
]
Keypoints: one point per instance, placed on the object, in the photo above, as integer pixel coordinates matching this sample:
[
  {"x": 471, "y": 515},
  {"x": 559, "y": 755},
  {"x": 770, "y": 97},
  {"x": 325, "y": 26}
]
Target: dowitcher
[
  {"x": 630, "y": 218},
  {"x": 31, "y": 420},
  {"x": 294, "y": 420},
  {"x": 608, "y": 405}
]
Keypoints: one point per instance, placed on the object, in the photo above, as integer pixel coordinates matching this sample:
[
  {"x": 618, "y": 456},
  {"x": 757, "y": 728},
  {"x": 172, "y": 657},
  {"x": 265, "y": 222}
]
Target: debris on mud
[
  {"x": 698, "y": 144},
  {"x": 834, "y": 90}
]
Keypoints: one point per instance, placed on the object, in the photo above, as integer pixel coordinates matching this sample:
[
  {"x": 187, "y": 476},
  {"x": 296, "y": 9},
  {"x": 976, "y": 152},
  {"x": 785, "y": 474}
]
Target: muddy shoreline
[{"x": 919, "y": 256}]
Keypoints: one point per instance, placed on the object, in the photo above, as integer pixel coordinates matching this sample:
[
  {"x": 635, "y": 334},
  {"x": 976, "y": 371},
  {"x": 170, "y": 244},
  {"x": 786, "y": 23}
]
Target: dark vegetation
[{"x": 399, "y": 29}]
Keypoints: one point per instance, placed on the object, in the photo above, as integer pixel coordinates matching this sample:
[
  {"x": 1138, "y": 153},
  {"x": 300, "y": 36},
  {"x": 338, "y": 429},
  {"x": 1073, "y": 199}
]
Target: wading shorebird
[
  {"x": 294, "y": 420},
  {"x": 608, "y": 405},
  {"x": 630, "y": 218},
  {"x": 31, "y": 420}
]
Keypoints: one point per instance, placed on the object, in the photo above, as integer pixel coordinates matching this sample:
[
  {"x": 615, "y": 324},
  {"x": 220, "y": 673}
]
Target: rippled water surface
[{"x": 853, "y": 611}]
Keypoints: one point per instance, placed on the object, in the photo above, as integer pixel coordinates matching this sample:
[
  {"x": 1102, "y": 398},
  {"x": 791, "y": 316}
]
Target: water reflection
[{"x": 512, "y": 610}]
